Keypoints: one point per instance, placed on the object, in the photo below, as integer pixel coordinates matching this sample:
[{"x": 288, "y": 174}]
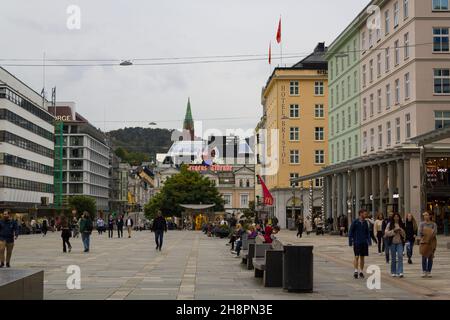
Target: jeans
[
  {"x": 397, "y": 258},
  {"x": 387, "y": 249},
  {"x": 427, "y": 264},
  {"x": 159, "y": 238},
  {"x": 85, "y": 237},
  {"x": 409, "y": 248},
  {"x": 238, "y": 247},
  {"x": 380, "y": 242}
]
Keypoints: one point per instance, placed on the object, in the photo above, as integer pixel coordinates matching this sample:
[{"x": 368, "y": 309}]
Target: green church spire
[{"x": 188, "y": 124}]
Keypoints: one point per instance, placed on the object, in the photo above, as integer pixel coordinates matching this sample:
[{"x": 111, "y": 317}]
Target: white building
[
  {"x": 85, "y": 156},
  {"x": 26, "y": 147}
]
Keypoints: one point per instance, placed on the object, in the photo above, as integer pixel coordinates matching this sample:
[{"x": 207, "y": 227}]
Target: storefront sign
[{"x": 214, "y": 167}]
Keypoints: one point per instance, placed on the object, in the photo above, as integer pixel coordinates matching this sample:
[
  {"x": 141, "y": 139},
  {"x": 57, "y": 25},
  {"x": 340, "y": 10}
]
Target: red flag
[
  {"x": 279, "y": 31},
  {"x": 268, "y": 199},
  {"x": 270, "y": 53}
]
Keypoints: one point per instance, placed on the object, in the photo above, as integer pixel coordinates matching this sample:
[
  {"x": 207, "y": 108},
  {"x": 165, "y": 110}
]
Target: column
[
  {"x": 382, "y": 177},
  {"x": 358, "y": 190},
  {"x": 344, "y": 193},
  {"x": 339, "y": 195},
  {"x": 353, "y": 194},
  {"x": 374, "y": 187},
  {"x": 366, "y": 186},
  {"x": 329, "y": 197},
  {"x": 401, "y": 187},
  {"x": 407, "y": 185},
  {"x": 392, "y": 181},
  {"x": 334, "y": 199}
]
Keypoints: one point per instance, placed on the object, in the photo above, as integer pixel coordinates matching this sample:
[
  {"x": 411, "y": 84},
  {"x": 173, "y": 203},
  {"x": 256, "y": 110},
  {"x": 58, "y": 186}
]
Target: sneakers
[
  {"x": 70, "y": 249},
  {"x": 355, "y": 275},
  {"x": 159, "y": 248},
  {"x": 2, "y": 265},
  {"x": 361, "y": 275},
  {"x": 8, "y": 266},
  {"x": 400, "y": 275},
  {"x": 393, "y": 275},
  {"x": 428, "y": 274},
  {"x": 424, "y": 274},
  {"x": 409, "y": 261}
]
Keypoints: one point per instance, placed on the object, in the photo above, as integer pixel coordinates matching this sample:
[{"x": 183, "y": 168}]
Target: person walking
[
  {"x": 359, "y": 237},
  {"x": 100, "y": 225},
  {"x": 86, "y": 230},
  {"x": 129, "y": 224},
  {"x": 396, "y": 235},
  {"x": 428, "y": 244},
  {"x": 75, "y": 227},
  {"x": 8, "y": 234},
  {"x": 120, "y": 224},
  {"x": 371, "y": 223},
  {"x": 378, "y": 233},
  {"x": 342, "y": 225},
  {"x": 44, "y": 227},
  {"x": 52, "y": 224},
  {"x": 387, "y": 250},
  {"x": 159, "y": 227},
  {"x": 33, "y": 226},
  {"x": 66, "y": 234},
  {"x": 319, "y": 225},
  {"x": 110, "y": 226},
  {"x": 308, "y": 226},
  {"x": 300, "y": 226},
  {"x": 411, "y": 233}
]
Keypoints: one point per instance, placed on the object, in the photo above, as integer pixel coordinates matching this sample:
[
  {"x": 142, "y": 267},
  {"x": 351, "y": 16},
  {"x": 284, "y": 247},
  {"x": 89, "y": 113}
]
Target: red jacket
[{"x": 267, "y": 234}]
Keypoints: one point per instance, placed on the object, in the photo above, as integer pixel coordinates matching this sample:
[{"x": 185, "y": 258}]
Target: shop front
[{"x": 438, "y": 190}]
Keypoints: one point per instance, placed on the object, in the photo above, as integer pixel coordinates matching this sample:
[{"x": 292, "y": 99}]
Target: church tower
[{"x": 188, "y": 124}]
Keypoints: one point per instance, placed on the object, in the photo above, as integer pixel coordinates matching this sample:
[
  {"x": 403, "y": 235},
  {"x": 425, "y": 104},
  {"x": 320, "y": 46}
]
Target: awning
[{"x": 197, "y": 206}]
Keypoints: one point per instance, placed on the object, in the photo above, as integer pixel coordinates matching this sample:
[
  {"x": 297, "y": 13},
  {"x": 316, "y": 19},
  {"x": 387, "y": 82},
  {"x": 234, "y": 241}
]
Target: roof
[
  {"x": 315, "y": 61},
  {"x": 432, "y": 136},
  {"x": 197, "y": 206}
]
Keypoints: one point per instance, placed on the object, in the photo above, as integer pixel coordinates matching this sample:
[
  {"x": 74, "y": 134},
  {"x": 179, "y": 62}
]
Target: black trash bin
[{"x": 298, "y": 268}]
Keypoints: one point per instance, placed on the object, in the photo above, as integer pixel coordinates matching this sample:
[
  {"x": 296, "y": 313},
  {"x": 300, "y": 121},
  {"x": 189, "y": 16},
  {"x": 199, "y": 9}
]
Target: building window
[
  {"x": 337, "y": 94},
  {"x": 293, "y": 88},
  {"x": 371, "y": 71},
  {"x": 380, "y": 137},
  {"x": 349, "y": 117},
  {"x": 354, "y": 49},
  {"x": 331, "y": 98},
  {"x": 405, "y": 9},
  {"x": 363, "y": 41},
  {"x": 372, "y": 139},
  {"x": 318, "y": 88},
  {"x": 440, "y": 39},
  {"x": 244, "y": 200},
  {"x": 406, "y": 39},
  {"x": 343, "y": 120},
  {"x": 407, "y": 86},
  {"x": 370, "y": 39},
  {"x": 331, "y": 70},
  {"x": 388, "y": 133},
  {"x": 396, "y": 53},
  {"x": 294, "y": 111},
  {"x": 379, "y": 103},
  {"x": 338, "y": 152},
  {"x": 397, "y": 130},
  {"x": 387, "y": 59},
  {"x": 397, "y": 91},
  {"x": 388, "y": 96},
  {"x": 364, "y": 75},
  {"x": 408, "y": 125},
  {"x": 227, "y": 199},
  {"x": 343, "y": 90},
  {"x": 319, "y": 111},
  {"x": 442, "y": 81},
  {"x": 349, "y": 86},
  {"x": 356, "y": 114},
  {"x": 293, "y": 176},
  {"x": 387, "y": 22},
  {"x": 364, "y": 109},
  {"x": 442, "y": 119},
  {"x": 295, "y": 157},
  {"x": 355, "y": 82},
  {"x": 343, "y": 150},
  {"x": 372, "y": 107},
  {"x": 318, "y": 183},
  {"x": 319, "y": 157},
  {"x": 356, "y": 145},
  {"x": 348, "y": 56},
  {"x": 337, "y": 123},
  {"x": 365, "y": 142},
  {"x": 349, "y": 147},
  {"x": 396, "y": 14},
  {"x": 319, "y": 134},
  {"x": 332, "y": 153},
  {"x": 294, "y": 134},
  {"x": 332, "y": 125},
  {"x": 440, "y": 5},
  {"x": 379, "y": 65}
]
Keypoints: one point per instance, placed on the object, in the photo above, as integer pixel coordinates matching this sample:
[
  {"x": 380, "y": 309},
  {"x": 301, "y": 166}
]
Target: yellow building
[{"x": 295, "y": 103}]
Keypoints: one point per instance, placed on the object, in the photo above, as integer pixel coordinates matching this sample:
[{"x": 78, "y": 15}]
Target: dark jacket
[
  {"x": 120, "y": 223},
  {"x": 359, "y": 233},
  {"x": 8, "y": 230},
  {"x": 384, "y": 225},
  {"x": 132, "y": 222},
  {"x": 86, "y": 225},
  {"x": 410, "y": 231},
  {"x": 159, "y": 223},
  {"x": 111, "y": 223}
]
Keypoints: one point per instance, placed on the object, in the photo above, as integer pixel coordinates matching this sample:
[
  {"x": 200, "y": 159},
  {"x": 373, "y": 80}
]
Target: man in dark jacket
[
  {"x": 387, "y": 248},
  {"x": 86, "y": 227},
  {"x": 359, "y": 238},
  {"x": 8, "y": 233},
  {"x": 159, "y": 227}
]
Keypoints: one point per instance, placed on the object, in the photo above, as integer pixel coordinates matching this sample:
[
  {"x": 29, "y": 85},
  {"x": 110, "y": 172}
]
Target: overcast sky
[{"x": 116, "y": 97}]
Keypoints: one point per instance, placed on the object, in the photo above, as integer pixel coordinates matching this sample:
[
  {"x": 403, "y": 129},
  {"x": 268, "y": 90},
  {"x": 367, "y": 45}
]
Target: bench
[
  {"x": 21, "y": 284},
  {"x": 245, "y": 249},
  {"x": 269, "y": 265},
  {"x": 251, "y": 252}
]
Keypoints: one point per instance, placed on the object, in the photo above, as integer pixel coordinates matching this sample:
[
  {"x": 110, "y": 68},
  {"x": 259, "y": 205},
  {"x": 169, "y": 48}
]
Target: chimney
[{"x": 320, "y": 47}]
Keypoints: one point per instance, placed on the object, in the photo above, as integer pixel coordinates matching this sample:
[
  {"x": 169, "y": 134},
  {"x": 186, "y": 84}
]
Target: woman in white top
[{"x": 378, "y": 233}]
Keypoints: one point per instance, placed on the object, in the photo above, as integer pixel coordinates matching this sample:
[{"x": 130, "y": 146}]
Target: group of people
[
  {"x": 393, "y": 236},
  {"x": 266, "y": 231},
  {"x": 306, "y": 225}
]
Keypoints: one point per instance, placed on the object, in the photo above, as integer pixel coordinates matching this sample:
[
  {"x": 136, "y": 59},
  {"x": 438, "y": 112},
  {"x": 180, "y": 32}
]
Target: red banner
[{"x": 268, "y": 199}]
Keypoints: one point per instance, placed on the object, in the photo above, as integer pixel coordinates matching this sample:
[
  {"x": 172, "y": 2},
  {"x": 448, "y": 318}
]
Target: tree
[
  {"x": 83, "y": 203},
  {"x": 186, "y": 187},
  {"x": 250, "y": 212}
]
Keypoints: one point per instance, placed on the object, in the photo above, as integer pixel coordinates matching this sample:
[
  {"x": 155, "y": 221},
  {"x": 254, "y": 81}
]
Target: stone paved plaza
[{"x": 193, "y": 266}]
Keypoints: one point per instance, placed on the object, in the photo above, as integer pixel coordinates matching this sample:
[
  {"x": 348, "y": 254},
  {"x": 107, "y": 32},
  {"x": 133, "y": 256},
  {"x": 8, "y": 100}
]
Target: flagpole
[{"x": 281, "y": 47}]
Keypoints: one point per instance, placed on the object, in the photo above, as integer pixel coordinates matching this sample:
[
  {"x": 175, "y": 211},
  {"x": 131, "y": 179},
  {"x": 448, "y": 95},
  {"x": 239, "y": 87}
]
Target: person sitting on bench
[{"x": 251, "y": 235}]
